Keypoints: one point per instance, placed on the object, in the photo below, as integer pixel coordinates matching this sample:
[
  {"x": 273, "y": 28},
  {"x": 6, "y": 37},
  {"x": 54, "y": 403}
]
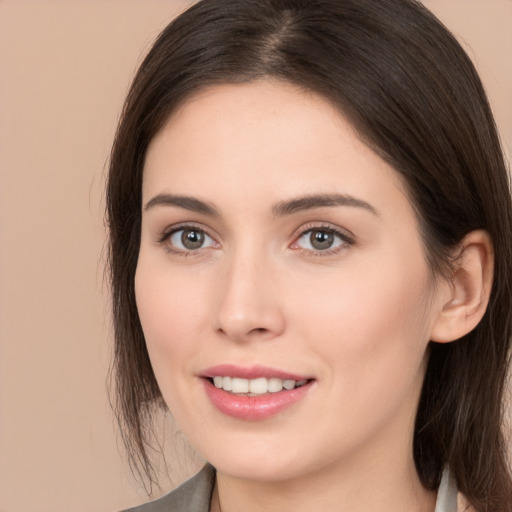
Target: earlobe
[{"x": 465, "y": 295}]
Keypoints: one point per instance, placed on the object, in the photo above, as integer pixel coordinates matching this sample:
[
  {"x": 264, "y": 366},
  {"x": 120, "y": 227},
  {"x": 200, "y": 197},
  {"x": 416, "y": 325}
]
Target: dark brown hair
[{"x": 414, "y": 97}]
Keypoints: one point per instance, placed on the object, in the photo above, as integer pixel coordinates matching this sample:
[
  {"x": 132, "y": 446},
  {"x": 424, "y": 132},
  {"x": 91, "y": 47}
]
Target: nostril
[{"x": 240, "y": 322}]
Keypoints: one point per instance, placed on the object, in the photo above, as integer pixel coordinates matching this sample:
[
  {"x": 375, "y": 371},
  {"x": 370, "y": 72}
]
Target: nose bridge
[{"x": 248, "y": 306}]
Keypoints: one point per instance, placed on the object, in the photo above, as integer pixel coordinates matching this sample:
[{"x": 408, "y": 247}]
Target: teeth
[
  {"x": 274, "y": 385},
  {"x": 255, "y": 387},
  {"x": 288, "y": 384},
  {"x": 227, "y": 383},
  {"x": 239, "y": 385},
  {"x": 258, "y": 386}
]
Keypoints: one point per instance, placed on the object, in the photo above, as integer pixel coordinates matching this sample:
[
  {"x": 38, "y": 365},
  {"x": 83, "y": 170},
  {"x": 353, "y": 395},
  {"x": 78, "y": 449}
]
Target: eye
[
  {"x": 321, "y": 239},
  {"x": 188, "y": 239}
]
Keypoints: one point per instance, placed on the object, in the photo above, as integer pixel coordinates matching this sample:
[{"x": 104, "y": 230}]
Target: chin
[
  {"x": 270, "y": 469},
  {"x": 259, "y": 462}
]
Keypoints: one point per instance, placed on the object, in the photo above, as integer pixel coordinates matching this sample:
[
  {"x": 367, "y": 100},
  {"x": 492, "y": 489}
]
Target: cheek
[
  {"x": 371, "y": 324},
  {"x": 374, "y": 338},
  {"x": 169, "y": 309}
]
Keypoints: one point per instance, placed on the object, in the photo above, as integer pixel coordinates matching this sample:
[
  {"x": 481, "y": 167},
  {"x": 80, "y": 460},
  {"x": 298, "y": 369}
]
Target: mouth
[
  {"x": 254, "y": 393},
  {"x": 255, "y": 387}
]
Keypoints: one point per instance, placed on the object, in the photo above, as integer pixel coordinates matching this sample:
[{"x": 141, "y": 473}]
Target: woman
[{"x": 310, "y": 254}]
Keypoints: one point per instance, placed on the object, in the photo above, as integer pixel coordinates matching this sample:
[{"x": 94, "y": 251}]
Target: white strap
[{"x": 447, "y": 494}]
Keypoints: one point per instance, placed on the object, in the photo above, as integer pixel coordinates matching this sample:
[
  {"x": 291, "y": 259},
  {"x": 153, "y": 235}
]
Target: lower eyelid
[
  {"x": 164, "y": 238},
  {"x": 345, "y": 240}
]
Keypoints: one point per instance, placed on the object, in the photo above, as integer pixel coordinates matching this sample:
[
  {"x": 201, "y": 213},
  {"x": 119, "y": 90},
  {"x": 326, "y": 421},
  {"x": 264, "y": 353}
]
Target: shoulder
[{"x": 192, "y": 496}]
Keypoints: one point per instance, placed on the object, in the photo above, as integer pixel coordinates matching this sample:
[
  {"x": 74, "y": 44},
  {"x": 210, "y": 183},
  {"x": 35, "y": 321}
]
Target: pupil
[
  {"x": 192, "y": 239},
  {"x": 321, "y": 239}
]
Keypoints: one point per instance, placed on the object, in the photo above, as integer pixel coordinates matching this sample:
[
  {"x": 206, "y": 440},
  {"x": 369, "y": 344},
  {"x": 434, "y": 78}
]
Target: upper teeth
[{"x": 258, "y": 386}]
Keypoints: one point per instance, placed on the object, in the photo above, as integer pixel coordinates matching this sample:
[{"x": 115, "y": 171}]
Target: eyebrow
[
  {"x": 311, "y": 202},
  {"x": 280, "y": 209},
  {"x": 186, "y": 202}
]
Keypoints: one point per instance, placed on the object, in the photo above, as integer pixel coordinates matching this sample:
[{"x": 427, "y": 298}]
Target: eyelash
[
  {"x": 346, "y": 239},
  {"x": 166, "y": 236}
]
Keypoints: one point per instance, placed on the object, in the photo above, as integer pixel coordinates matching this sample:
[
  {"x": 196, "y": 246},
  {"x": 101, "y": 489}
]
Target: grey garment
[
  {"x": 192, "y": 496},
  {"x": 195, "y": 495}
]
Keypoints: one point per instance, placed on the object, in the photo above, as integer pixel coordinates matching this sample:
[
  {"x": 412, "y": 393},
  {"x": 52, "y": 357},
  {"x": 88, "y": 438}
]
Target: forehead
[
  {"x": 264, "y": 137},
  {"x": 265, "y": 114}
]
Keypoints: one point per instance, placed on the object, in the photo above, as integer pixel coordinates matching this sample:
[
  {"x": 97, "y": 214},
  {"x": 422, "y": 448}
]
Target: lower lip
[{"x": 254, "y": 407}]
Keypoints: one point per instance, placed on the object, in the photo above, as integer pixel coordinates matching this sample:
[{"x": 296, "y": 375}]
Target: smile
[
  {"x": 254, "y": 393},
  {"x": 256, "y": 387}
]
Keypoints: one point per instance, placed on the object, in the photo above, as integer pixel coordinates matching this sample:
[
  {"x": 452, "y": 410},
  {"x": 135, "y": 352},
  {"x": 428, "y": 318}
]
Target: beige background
[{"x": 65, "y": 66}]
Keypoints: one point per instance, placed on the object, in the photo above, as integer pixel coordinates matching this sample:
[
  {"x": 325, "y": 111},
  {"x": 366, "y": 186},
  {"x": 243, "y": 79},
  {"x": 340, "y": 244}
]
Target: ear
[{"x": 465, "y": 295}]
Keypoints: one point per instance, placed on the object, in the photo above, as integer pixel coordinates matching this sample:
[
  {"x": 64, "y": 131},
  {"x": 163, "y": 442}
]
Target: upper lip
[{"x": 250, "y": 372}]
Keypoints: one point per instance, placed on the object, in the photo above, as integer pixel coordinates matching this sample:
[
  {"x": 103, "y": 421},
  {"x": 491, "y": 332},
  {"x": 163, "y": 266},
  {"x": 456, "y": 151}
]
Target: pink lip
[
  {"x": 252, "y": 372},
  {"x": 252, "y": 408}
]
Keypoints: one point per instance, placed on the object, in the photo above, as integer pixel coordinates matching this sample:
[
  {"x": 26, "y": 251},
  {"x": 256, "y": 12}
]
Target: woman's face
[{"x": 278, "y": 251}]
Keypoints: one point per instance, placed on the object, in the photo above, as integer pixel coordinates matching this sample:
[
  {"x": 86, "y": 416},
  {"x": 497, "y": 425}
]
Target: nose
[{"x": 248, "y": 306}]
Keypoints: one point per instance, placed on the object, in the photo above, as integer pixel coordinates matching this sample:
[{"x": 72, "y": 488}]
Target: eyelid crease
[
  {"x": 165, "y": 236},
  {"x": 346, "y": 236},
  {"x": 344, "y": 233},
  {"x": 170, "y": 230}
]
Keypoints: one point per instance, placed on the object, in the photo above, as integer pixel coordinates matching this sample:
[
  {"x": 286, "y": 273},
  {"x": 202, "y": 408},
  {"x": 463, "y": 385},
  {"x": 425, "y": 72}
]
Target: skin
[{"x": 357, "y": 317}]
